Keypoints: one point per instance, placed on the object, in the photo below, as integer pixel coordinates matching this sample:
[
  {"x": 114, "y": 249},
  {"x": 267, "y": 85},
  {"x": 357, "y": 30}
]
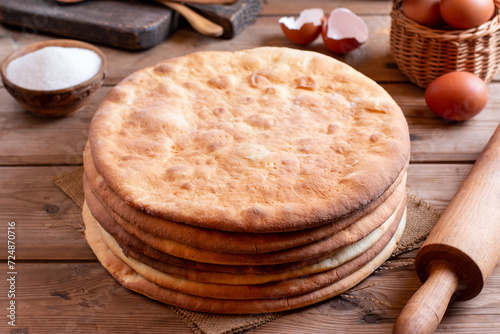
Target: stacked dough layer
[{"x": 246, "y": 182}]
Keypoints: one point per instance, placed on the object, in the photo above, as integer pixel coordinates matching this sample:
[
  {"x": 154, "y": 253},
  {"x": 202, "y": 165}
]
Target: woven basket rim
[{"x": 489, "y": 27}]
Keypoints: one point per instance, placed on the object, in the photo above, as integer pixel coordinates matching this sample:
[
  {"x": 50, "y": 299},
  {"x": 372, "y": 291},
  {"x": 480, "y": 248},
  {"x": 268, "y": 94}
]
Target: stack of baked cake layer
[{"x": 245, "y": 182}]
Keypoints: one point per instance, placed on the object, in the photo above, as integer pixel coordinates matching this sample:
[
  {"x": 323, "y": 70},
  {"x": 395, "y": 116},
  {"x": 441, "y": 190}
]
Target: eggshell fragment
[
  {"x": 457, "y": 96},
  {"x": 306, "y": 28},
  {"x": 344, "y": 31}
]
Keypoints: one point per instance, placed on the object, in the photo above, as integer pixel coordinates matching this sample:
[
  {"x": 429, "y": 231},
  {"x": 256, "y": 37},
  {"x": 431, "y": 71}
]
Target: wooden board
[
  {"x": 233, "y": 18},
  {"x": 114, "y": 23},
  {"x": 126, "y": 24}
]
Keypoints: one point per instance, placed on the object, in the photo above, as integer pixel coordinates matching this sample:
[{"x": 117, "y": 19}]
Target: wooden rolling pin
[{"x": 462, "y": 249}]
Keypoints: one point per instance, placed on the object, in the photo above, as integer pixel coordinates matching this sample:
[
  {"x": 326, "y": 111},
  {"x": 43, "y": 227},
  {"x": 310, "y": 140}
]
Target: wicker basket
[{"x": 423, "y": 54}]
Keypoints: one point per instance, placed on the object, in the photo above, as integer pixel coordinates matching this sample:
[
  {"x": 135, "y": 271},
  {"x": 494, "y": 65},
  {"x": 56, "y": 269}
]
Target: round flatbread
[
  {"x": 262, "y": 140},
  {"x": 316, "y": 250},
  {"x": 240, "y": 290},
  {"x": 339, "y": 258},
  {"x": 130, "y": 279},
  {"x": 217, "y": 240}
]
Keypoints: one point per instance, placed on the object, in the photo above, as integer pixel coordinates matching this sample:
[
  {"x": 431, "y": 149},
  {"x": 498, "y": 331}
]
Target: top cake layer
[{"x": 262, "y": 140}]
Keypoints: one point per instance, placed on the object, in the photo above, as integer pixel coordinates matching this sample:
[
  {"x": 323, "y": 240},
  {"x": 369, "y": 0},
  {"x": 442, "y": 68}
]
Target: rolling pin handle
[{"x": 424, "y": 311}]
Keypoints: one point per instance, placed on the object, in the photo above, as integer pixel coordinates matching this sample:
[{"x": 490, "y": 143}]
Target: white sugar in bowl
[{"x": 54, "y": 78}]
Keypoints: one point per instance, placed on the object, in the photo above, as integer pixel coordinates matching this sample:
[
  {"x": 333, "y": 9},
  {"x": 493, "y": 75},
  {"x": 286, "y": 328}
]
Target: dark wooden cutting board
[
  {"x": 126, "y": 24},
  {"x": 233, "y": 18}
]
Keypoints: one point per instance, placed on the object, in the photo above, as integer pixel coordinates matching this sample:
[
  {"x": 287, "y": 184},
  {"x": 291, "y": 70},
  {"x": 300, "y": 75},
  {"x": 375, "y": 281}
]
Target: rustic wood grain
[
  {"x": 436, "y": 183},
  {"x": 130, "y": 25},
  {"x": 25, "y": 139},
  {"x": 285, "y": 7},
  {"x": 29, "y": 140},
  {"x": 49, "y": 225},
  {"x": 436, "y": 139},
  {"x": 233, "y": 18},
  {"x": 7, "y": 44},
  {"x": 112, "y": 22},
  {"x": 372, "y": 59},
  {"x": 84, "y": 298},
  {"x": 29, "y": 197},
  {"x": 61, "y": 288},
  {"x": 463, "y": 248},
  {"x": 379, "y": 301}
]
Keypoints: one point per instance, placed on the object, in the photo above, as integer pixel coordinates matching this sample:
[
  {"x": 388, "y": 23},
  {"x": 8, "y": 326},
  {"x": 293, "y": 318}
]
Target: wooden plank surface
[
  {"x": 29, "y": 197},
  {"x": 49, "y": 225},
  {"x": 432, "y": 138},
  {"x": 292, "y": 8},
  {"x": 372, "y": 59},
  {"x": 84, "y": 298},
  {"x": 29, "y": 140},
  {"x": 26, "y": 139},
  {"x": 61, "y": 288}
]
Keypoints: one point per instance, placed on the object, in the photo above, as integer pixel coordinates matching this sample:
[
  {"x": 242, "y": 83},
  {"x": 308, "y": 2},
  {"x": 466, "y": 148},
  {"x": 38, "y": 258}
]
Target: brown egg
[
  {"x": 466, "y": 14},
  {"x": 343, "y": 31},
  {"x": 424, "y": 12},
  {"x": 457, "y": 96},
  {"x": 306, "y": 28}
]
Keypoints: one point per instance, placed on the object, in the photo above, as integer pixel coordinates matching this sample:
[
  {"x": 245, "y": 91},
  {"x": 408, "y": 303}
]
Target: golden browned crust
[
  {"x": 132, "y": 280},
  {"x": 217, "y": 240},
  {"x": 263, "y": 140},
  {"x": 240, "y": 290},
  {"x": 339, "y": 258},
  {"x": 317, "y": 250}
]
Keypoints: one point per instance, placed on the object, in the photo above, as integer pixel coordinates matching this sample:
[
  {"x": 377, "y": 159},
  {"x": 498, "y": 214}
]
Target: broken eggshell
[
  {"x": 344, "y": 31},
  {"x": 306, "y": 28}
]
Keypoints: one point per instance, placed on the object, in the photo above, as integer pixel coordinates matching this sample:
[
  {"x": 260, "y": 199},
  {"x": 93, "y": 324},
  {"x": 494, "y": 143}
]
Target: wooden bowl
[{"x": 55, "y": 103}]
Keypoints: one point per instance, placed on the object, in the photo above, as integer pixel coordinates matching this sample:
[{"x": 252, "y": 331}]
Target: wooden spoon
[{"x": 198, "y": 22}]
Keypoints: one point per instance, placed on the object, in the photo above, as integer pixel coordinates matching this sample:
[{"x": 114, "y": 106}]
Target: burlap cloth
[{"x": 421, "y": 217}]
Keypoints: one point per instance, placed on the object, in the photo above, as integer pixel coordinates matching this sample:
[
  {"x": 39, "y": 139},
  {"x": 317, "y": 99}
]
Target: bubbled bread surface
[{"x": 261, "y": 140}]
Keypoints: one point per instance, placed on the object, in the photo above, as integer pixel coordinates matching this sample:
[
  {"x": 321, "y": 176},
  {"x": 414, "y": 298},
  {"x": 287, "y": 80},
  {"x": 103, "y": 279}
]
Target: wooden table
[{"x": 61, "y": 288}]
